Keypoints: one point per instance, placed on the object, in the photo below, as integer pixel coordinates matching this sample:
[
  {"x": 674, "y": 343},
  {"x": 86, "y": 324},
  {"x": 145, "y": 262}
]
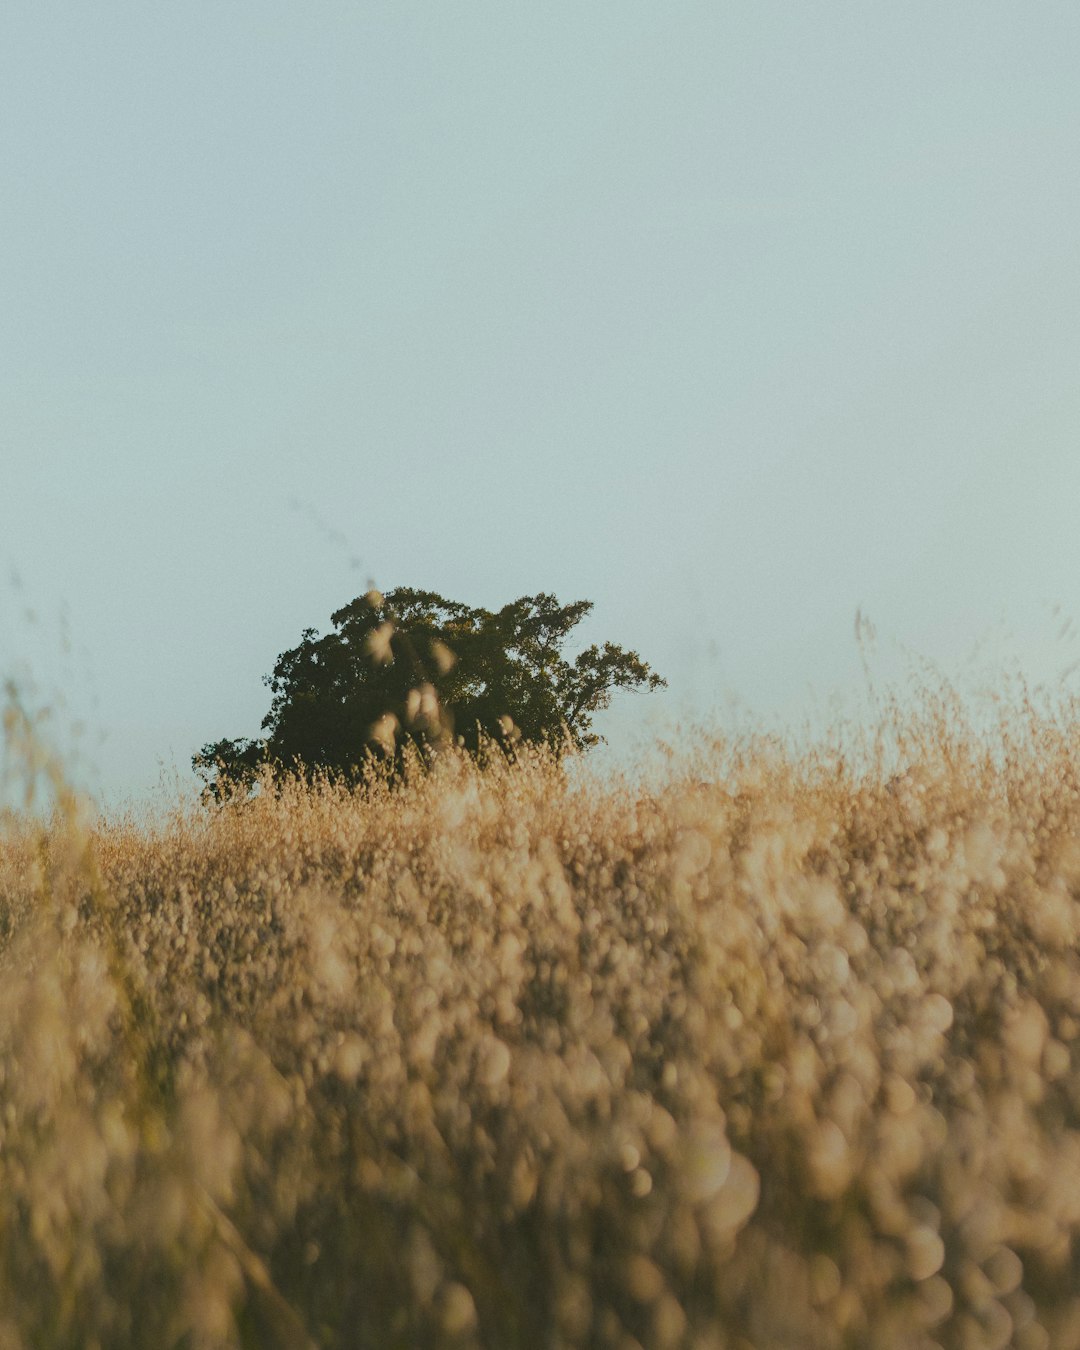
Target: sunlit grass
[{"x": 770, "y": 1047}]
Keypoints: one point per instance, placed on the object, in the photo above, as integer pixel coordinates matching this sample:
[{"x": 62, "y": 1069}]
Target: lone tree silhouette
[{"x": 411, "y": 668}]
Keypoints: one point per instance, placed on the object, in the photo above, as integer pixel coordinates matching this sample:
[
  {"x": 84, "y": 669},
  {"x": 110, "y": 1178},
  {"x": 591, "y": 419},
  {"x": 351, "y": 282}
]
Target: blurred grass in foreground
[{"x": 778, "y": 1048}]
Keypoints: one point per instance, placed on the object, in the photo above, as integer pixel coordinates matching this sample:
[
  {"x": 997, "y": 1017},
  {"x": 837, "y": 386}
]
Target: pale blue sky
[{"x": 731, "y": 318}]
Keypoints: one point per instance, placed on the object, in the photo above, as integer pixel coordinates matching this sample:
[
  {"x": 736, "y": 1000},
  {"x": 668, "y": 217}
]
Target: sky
[{"x": 735, "y": 319}]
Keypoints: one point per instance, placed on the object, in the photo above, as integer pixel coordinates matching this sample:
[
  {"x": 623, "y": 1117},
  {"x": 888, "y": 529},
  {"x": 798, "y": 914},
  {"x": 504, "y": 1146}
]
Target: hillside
[{"x": 771, "y": 1051}]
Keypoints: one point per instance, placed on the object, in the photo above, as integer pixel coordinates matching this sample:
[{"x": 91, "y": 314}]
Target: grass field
[{"x": 773, "y": 1048}]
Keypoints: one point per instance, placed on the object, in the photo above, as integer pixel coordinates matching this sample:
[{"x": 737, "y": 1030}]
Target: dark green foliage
[
  {"x": 229, "y": 767},
  {"x": 411, "y": 669}
]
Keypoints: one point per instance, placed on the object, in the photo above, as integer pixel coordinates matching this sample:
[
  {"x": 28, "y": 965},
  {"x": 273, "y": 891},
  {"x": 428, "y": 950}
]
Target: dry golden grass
[{"x": 780, "y": 1051}]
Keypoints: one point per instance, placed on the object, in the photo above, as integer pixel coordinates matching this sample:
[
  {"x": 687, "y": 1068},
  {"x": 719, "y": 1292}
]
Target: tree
[{"x": 410, "y": 668}]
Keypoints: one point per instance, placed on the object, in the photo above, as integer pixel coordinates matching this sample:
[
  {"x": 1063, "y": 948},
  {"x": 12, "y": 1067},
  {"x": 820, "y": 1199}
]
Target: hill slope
[{"x": 772, "y": 1055}]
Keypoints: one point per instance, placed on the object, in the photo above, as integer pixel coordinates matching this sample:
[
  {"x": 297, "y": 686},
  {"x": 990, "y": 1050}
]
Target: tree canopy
[{"x": 410, "y": 668}]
